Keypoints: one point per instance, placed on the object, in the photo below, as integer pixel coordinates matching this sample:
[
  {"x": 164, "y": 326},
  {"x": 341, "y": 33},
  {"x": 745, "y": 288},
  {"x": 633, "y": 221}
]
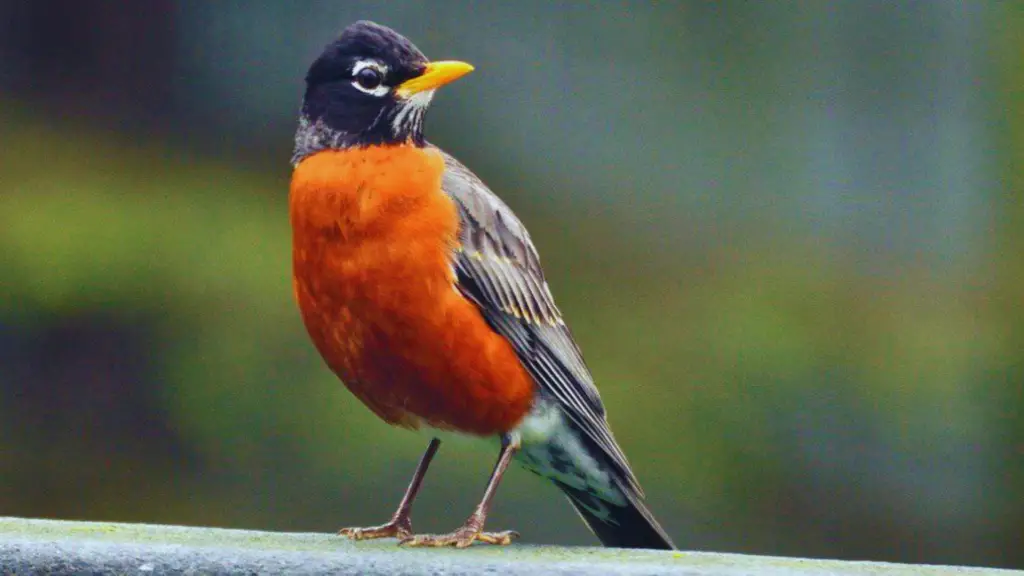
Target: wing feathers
[{"x": 499, "y": 270}]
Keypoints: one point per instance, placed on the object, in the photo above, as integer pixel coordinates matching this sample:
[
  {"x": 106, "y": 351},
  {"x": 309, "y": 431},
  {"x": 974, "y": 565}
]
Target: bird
[{"x": 423, "y": 292}]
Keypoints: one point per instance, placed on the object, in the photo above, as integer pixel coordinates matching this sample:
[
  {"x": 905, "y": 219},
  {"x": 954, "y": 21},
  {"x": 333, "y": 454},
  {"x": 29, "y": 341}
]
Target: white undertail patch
[{"x": 551, "y": 448}]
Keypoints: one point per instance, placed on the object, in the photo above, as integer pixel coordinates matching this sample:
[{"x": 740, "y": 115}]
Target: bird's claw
[
  {"x": 461, "y": 538},
  {"x": 400, "y": 528}
]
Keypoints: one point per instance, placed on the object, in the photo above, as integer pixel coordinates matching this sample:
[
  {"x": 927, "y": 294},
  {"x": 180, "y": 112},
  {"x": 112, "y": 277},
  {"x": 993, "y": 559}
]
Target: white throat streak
[{"x": 408, "y": 118}]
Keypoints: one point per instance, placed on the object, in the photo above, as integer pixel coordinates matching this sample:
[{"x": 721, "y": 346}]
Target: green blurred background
[{"x": 787, "y": 235}]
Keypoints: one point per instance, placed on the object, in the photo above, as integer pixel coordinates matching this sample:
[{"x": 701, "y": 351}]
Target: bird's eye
[{"x": 369, "y": 78}]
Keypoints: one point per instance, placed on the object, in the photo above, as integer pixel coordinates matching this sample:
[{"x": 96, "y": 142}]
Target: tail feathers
[{"x": 628, "y": 526}]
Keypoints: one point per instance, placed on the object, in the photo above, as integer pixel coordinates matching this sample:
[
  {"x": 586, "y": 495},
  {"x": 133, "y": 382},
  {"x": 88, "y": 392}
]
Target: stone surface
[{"x": 58, "y": 547}]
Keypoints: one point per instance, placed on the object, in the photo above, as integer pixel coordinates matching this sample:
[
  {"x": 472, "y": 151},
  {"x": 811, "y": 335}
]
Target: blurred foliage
[
  {"x": 786, "y": 404},
  {"x": 1009, "y": 260},
  {"x": 774, "y": 393}
]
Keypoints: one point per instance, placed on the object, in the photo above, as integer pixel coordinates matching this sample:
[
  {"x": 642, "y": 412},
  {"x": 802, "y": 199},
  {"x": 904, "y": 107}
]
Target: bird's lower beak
[{"x": 437, "y": 74}]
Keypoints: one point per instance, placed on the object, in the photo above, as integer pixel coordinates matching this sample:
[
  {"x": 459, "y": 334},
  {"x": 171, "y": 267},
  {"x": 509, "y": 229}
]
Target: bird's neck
[
  {"x": 313, "y": 136},
  {"x": 400, "y": 126}
]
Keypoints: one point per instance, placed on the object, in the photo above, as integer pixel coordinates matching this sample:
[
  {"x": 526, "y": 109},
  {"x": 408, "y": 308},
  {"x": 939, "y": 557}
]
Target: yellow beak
[{"x": 436, "y": 75}]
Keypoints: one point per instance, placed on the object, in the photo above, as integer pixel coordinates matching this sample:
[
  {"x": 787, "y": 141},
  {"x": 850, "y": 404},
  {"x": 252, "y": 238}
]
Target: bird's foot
[
  {"x": 461, "y": 538},
  {"x": 400, "y": 528}
]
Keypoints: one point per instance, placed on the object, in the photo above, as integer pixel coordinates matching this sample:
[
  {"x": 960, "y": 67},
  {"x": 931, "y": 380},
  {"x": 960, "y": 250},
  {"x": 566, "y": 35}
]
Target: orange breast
[{"x": 373, "y": 239}]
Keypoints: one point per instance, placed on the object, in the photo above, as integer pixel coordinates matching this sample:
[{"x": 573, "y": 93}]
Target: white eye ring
[{"x": 379, "y": 90}]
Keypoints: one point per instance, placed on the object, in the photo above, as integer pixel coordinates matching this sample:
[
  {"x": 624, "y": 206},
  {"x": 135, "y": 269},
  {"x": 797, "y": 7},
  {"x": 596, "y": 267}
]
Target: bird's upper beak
[{"x": 435, "y": 75}]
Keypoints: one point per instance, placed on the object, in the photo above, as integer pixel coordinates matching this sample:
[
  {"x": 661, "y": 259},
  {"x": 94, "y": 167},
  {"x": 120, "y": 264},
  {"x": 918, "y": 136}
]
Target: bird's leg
[
  {"x": 472, "y": 530},
  {"x": 400, "y": 525}
]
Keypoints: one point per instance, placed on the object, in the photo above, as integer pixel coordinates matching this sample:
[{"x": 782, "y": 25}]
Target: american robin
[{"x": 422, "y": 291}]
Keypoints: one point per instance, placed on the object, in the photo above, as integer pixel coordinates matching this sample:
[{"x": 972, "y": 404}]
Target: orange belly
[{"x": 373, "y": 239}]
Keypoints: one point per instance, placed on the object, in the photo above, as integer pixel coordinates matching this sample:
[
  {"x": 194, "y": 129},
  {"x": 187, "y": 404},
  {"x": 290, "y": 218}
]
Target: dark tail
[{"x": 629, "y": 526}]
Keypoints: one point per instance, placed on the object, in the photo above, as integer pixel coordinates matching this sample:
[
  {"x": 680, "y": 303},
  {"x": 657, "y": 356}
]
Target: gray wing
[{"x": 499, "y": 270}]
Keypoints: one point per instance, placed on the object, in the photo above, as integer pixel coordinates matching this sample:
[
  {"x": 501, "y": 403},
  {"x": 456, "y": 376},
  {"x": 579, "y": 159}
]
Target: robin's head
[{"x": 370, "y": 86}]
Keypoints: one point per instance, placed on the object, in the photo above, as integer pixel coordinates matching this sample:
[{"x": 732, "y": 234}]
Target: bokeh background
[{"x": 789, "y": 237}]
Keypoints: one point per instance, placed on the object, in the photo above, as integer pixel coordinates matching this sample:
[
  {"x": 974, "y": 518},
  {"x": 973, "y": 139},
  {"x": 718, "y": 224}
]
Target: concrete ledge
[{"x": 57, "y": 547}]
